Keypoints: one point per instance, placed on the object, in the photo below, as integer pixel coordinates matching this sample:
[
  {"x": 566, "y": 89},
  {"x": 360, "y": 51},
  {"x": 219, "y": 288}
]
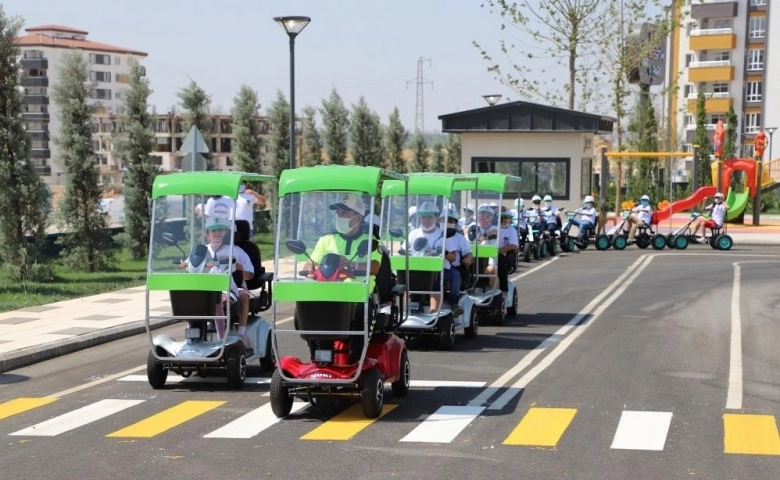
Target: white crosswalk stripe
[{"x": 77, "y": 418}]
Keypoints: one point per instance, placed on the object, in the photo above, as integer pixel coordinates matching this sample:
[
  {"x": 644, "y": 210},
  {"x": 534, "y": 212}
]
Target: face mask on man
[
  {"x": 343, "y": 225},
  {"x": 547, "y": 204},
  {"x": 452, "y": 229},
  {"x": 644, "y": 203}
]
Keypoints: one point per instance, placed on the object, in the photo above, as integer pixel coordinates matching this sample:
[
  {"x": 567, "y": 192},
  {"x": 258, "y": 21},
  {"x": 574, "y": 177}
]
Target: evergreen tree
[
  {"x": 702, "y": 142},
  {"x": 311, "y": 150},
  {"x": 22, "y": 197},
  {"x": 454, "y": 152},
  {"x": 730, "y": 146},
  {"x": 84, "y": 225},
  {"x": 134, "y": 148},
  {"x": 438, "y": 158},
  {"x": 395, "y": 138},
  {"x": 278, "y": 156},
  {"x": 335, "y": 118},
  {"x": 366, "y": 136},
  {"x": 644, "y": 180},
  {"x": 246, "y": 131},
  {"x": 196, "y": 105},
  {"x": 419, "y": 154}
]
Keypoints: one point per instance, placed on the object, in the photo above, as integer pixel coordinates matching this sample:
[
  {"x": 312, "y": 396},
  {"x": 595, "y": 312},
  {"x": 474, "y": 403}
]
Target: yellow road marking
[
  {"x": 346, "y": 424},
  {"x": 750, "y": 434},
  {"x": 541, "y": 427},
  {"x": 19, "y": 405},
  {"x": 165, "y": 420}
]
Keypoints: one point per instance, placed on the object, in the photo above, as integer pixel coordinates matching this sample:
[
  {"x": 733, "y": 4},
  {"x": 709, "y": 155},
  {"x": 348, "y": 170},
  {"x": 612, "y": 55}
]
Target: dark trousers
[{"x": 503, "y": 276}]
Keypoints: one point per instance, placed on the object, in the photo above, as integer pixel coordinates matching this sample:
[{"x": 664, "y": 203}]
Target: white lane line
[
  {"x": 444, "y": 383},
  {"x": 504, "y": 379},
  {"x": 734, "y": 395},
  {"x": 77, "y": 418},
  {"x": 252, "y": 423},
  {"x": 621, "y": 284},
  {"x": 518, "y": 276},
  {"x": 642, "y": 431},
  {"x": 444, "y": 425}
]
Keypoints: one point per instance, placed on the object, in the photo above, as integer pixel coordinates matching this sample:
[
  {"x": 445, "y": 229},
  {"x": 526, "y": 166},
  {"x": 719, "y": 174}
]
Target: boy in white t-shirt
[
  {"x": 641, "y": 214},
  {"x": 245, "y": 203},
  {"x": 507, "y": 242},
  {"x": 717, "y": 211},
  {"x": 588, "y": 215},
  {"x": 220, "y": 206},
  {"x": 456, "y": 251}
]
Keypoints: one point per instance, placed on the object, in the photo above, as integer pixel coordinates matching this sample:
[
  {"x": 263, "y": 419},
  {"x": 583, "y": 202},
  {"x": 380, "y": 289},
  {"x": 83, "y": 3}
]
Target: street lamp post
[
  {"x": 292, "y": 25},
  {"x": 770, "y": 131},
  {"x": 492, "y": 99}
]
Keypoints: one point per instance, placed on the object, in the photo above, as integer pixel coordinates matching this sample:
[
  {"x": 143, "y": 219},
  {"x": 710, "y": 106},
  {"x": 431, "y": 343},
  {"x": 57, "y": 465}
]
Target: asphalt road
[{"x": 634, "y": 364}]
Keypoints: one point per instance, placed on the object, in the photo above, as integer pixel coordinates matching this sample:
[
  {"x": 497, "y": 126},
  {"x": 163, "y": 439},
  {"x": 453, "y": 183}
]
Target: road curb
[{"x": 39, "y": 353}]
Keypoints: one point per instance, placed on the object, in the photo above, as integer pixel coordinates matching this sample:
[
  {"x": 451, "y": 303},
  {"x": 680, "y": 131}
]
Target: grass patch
[{"x": 69, "y": 284}]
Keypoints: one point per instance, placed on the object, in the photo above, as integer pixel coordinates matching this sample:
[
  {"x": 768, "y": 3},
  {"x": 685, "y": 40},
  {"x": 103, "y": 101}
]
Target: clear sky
[{"x": 362, "y": 47}]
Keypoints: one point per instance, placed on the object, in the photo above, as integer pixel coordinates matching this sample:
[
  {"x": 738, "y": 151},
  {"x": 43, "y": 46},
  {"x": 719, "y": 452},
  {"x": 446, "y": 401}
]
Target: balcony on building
[
  {"x": 35, "y": 116},
  {"x": 42, "y": 135},
  {"x": 31, "y": 99},
  {"x": 43, "y": 169},
  {"x": 713, "y": 103},
  {"x": 713, "y": 39},
  {"x": 34, "y": 62},
  {"x": 108, "y": 168},
  {"x": 713, "y": 9},
  {"x": 40, "y": 153},
  {"x": 711, "y": 71},
  {"x": 27, "y": 81}
]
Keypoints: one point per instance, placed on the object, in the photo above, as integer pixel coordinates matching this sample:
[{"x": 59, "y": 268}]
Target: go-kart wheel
[
  {"x": 536, "y": 250},
  {"x": 583, "y": 244},
  {"x": 446, "y": 332},
  {"x": 680, "y": 242},
  {"x": 401, "y": 386},
  {"x": 473, "y": 329},
  {"x": 619, "y": 242},
  {"x": 542, "y": 248},
  {"x": 670, "y": 240},
  {"x": 714, "y": 242},
  {"x": 236, "y": 367},
  {"x": 659, "y": 242},
  {"x": 156, "y": 373},
  {"x": 268, "y": 362},
  {"x": 602, "y": 242},
  {"x": 724, "y": 242},
  {"x": 527, "y": 252},
  {"x": 642, "y": 242},
  {"x": 281, "y": 400},
  {"x": 512, "y": 311},
  {"x": 569, "y": 245},
  {"x": 552, "y": 246},
  {"x": 372, "y": 393}
]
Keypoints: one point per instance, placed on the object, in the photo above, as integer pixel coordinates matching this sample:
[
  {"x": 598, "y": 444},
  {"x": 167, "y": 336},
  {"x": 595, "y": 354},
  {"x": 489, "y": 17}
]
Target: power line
[{"x": 420, "y": 81}]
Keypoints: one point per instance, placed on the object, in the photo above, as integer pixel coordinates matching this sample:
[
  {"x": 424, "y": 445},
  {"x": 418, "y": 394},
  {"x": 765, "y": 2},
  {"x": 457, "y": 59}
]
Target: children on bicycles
[
  {"x": 588, "y": 215},
  {"x": 641, "y": 215},
  {"x": 717, "y": 211},
  {"x": 551, "y": 214}
]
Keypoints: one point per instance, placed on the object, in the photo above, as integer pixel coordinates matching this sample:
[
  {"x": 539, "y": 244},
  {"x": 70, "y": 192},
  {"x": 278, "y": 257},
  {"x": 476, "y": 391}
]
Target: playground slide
[
  {"x": 685, "y": 204},
  {"x": 737, "y": 203}
]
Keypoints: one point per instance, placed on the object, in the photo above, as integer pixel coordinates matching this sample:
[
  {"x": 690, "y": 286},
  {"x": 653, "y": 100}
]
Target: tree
[
  {"x": 438, "y": 158},
  {"x": 335, "y": 118},
  {"x": 196, "y": 104},
  {"x": 419, "y": 154},
  {"x": 134, "y": 148},
  {"x": 246, "y": 131},
  {"x": 730, "y": 146},
  {"x": 702, "y": 142},
  {"x": 366, "y": 135},
  {"x": 23, "y": 197},
  {"x": 564, "y": 30},
  {"x": 453, "y": 162},
  {"x": 278, "y": 156},
  {"x": 85, "y": 226},
  {"x": 395, "y": 139},
  {"x": 311, "y": 150}
]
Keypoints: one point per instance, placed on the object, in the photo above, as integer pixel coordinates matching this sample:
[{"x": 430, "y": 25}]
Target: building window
[
  {"x": 117, "y": 61},
  {"x": 752, "y": 122},
  {"x": 748, "y": 151},
  {"x": 723, "y": 23},
  {"x": 722, "y": 56},
  {"x": 689, "y": 120},
  {"x": 754, "y": 91},
  {"x": 540, "y": 175},
  {"x": 100, "y": 77},
  {"x": 122, "y": 78},
  {"x": 689, "y": 90},
  {"x": 98, "y": 59},
  {"x": 102, "y": 94},
  {"x": 688, "y": 59},
  {"x": 720, "y": 88},
  {"x": 717, "y": 116},
  {"x": 755, "y": 59},
  {"x": 757, "y": 3},
  {"x": 757, "y": 27}
]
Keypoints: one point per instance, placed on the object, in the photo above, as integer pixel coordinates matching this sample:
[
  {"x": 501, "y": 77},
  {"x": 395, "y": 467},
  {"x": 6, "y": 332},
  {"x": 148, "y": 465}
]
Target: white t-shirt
[
  {"x": 645, "y": 213},
  {"x": 588, "y": 214},
  {"x": 508, "y": 236},
  {"x": 245, "y": 208},
  {"x": 456, "y": 243},
  {"x": 718, "y": 213},
  {"x": 241, "y": 257},
  {"x": 485, "y": 233},
  {"x": 220, "y": 207},
  {"x": 549, "y": 214},
  {"x": 433, "y": 237}
]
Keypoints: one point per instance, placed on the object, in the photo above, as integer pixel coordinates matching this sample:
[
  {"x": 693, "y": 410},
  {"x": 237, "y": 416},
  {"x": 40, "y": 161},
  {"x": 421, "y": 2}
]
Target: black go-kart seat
[
  {"x": 195, "y": 303},
  {"x": 259, "y": 285}
]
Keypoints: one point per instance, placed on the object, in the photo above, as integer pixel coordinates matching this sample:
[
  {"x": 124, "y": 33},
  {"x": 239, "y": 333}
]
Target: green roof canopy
[
  {"x": 429, "y": 184},
  {"x": 349, "y": 178},
  {"x": 204, "y": 183},
  {"x": 496, "y": 182}
]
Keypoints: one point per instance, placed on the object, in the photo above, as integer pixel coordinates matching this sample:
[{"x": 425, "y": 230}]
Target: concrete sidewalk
[{"x": 35, "y": 334}]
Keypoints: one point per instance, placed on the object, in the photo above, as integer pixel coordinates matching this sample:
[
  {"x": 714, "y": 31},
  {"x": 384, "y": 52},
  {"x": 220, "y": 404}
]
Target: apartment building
[
  {"x": 722, "y": 48},
  {"x": 41, "y": 54}
]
